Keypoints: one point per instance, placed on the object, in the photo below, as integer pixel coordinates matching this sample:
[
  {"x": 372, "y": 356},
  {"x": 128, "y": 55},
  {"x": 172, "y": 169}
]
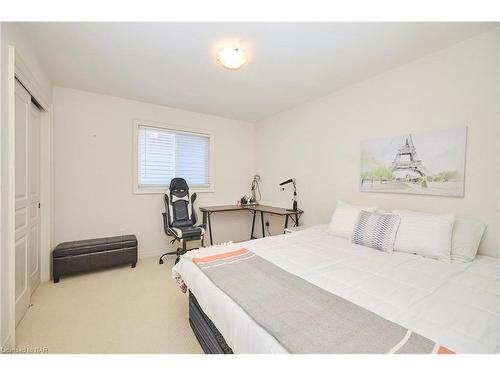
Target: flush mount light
[{"x": 232, "y": 57}]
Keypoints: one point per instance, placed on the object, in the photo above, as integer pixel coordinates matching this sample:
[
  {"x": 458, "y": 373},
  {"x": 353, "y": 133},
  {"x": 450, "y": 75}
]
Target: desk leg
[
  {"x": 253, "y": 225},
  {"x": 204, "y": 221},
  {"x": 296, "y": 220},
  {"x": 262, "y": 221},
  {"x": 210, "y": 229},
  {"x": 286, "y": 223}
]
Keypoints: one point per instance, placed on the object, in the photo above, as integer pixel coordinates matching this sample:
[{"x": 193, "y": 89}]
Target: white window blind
[{"x": 164, "y": 154}]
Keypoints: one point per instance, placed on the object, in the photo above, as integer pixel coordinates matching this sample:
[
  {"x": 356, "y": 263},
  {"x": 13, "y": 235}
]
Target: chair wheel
[{"x": 160, "y": 261}]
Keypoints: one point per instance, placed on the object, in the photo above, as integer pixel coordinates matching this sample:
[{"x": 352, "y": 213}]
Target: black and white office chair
[{"x": 179, "y": 218}]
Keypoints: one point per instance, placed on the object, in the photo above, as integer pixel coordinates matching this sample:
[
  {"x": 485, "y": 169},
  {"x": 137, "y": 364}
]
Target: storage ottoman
[{"x": 87, "y": 255}]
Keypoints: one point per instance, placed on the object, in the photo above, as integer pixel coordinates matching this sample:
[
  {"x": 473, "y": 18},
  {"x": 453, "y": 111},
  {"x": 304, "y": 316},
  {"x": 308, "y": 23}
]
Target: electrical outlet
[{"x": 267, "y": 223}]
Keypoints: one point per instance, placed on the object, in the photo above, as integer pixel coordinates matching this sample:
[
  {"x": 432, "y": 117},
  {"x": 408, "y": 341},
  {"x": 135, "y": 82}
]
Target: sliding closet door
[
  {"x": 27, "y": 196},
  {"x": 34, "y": 237},
  {"x": 22, "y": 288}
]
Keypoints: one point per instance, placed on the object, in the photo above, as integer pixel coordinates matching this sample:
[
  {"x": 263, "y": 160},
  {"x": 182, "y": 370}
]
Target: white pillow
[
  {"x": 465, "y": 240},
  {"x": 425, "y": 234},
  {"x": 344, "y": 219}
]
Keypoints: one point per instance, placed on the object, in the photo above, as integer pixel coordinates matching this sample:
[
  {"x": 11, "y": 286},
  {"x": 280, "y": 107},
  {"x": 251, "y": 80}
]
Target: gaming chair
[{"x": 179, "y": 218}]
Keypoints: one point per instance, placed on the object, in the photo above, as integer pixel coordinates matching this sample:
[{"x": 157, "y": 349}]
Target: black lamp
[{"x": 292, "y": 181}]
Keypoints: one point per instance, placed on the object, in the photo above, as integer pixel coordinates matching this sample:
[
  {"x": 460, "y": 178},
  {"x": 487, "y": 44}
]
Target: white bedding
[{"x": 454, "y": 304}]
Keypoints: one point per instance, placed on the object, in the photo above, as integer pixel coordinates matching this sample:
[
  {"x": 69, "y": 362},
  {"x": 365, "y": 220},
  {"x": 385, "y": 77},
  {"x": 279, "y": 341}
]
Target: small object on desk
[{"x": 247, "y": 201}]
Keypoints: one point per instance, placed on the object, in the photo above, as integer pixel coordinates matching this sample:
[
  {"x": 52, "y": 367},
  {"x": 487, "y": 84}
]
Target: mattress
[{"x": 455, "y": 304}]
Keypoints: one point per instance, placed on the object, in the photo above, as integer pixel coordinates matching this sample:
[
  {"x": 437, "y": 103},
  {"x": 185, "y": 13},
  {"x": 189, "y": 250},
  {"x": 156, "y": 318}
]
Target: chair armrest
[
  {"x": 194, "y": 216},
  {"x": 165, "y": 222}
]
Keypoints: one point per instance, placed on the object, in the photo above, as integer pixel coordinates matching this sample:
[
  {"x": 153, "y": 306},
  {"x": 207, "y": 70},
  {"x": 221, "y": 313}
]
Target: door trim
[
  {"x": 17, "y": 68},
  {"x": 9, "y": 185}
]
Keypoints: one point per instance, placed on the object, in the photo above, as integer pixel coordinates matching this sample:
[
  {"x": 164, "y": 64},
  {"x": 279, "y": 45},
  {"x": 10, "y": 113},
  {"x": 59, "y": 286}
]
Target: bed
[{"x": 456, "y": 304}]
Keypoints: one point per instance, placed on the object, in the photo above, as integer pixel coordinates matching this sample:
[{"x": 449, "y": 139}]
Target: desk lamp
[
  {"x": 291, "y": 180},
  {"x": 255, "y": 188}
]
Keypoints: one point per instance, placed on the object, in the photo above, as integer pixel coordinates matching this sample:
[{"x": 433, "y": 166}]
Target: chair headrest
[{"x": 178, "y": 183}]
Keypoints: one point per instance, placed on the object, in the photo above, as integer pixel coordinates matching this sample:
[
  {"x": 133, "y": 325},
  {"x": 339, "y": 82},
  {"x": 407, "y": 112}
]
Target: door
[
  {"x": 34, "y": 238},
  {"x": 27, "y": 216}
]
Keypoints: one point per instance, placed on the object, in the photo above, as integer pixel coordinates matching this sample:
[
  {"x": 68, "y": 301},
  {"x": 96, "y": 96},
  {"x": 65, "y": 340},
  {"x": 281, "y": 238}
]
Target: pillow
[
  {"x": 344, "y": 219},
  {"x": 375, "y": 230},
  {"x": 465, "y": 239},
  {"x": 425, "y": 234}
]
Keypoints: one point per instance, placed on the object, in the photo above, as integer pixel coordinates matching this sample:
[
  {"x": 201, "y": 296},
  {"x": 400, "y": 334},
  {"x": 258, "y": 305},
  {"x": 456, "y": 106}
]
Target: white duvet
[{"x": 454, "y": 304}]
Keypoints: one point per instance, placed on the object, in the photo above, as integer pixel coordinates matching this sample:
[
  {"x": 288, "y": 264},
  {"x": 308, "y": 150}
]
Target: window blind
[{"x": 164, "y": 154}]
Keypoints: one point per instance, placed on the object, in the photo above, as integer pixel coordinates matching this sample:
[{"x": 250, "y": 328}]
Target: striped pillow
[{"x": 376, "y": 230}]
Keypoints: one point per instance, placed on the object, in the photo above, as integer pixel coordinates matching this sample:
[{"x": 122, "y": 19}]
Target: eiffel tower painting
[
  {"x": 431, "y": 163},
  {"x": 406, "y": 162}
]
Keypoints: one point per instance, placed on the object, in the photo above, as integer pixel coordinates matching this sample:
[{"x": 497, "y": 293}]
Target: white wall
[
  {"x": 3, "y": 320},
  {"x": 92, "y": 156},
  {"x": 12, "y": 36},
  {"x": 319, "y": 142}
]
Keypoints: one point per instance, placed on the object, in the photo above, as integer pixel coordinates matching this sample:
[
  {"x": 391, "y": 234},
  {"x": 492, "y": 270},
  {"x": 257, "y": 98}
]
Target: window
[{"x": 164, "y": 153}]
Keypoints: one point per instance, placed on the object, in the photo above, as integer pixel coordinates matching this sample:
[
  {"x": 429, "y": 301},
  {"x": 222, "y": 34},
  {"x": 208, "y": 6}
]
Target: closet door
[
  {"x": 34, "y": 237},
  {"x": 27, "y": 198},
  {"x": 22, "y": 288}
]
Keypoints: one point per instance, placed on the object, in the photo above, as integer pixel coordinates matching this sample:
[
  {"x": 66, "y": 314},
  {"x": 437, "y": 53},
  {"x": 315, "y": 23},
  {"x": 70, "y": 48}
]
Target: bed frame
[{"x": 209, "y": 337}]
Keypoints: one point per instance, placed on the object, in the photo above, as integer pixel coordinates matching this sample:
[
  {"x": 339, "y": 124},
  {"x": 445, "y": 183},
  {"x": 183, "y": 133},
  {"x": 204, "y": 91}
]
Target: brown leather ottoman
[{"x": 87, "y": 255}]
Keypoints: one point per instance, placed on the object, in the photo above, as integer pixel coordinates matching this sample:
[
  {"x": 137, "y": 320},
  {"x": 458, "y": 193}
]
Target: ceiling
[{"x": 174, "y": 64}]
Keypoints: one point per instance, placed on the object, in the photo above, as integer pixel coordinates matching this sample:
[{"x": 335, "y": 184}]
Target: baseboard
[
  {"x": 150, "y": 253},
  {"x": 154, "y": 253}
]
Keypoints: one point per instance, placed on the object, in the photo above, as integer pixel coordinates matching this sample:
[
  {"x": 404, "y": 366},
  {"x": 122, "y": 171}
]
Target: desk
[{"x": 293, "y": 215}]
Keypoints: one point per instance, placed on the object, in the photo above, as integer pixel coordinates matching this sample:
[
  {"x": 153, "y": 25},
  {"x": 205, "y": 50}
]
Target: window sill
[{"x": 163, "y": 191}]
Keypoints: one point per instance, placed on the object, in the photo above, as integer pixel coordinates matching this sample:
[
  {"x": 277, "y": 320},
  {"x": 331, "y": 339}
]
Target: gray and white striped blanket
[{"x": 303, "y": 317}]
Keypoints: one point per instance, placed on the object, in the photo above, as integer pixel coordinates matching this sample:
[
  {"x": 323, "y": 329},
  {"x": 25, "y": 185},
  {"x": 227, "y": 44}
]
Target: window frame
[{"x": 136, "y": 189}]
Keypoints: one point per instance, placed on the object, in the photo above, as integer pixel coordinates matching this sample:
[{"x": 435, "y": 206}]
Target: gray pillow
[
  {"x": 466, "y": 238},
  {"x": 376, "y": 230}
]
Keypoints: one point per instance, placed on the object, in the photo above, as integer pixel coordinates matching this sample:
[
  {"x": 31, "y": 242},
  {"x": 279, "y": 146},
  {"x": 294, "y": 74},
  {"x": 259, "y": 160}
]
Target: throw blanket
[{"x": 303, "y": 317}]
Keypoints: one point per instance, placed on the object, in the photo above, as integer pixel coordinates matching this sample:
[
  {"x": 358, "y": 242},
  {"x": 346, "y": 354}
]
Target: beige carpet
[{"x": 120, "y": 310}]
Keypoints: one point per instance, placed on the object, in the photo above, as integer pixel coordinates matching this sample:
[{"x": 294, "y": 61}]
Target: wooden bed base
[{"x": 210, "y": 339}]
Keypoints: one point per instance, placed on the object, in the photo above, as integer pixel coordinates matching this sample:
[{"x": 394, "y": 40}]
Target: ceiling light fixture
[{"x": 232, "y": 57}]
